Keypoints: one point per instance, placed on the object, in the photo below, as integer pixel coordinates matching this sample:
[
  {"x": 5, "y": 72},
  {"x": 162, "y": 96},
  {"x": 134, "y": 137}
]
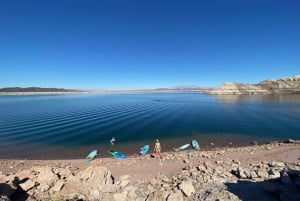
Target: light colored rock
[
  {"x": 58, "y": 186},
  {"x": 109, "y": 188},
  {"x": 176, "y": 196},
  {"x": 124, "y": 177},
  {"x": 156, "y": 196},
  {"x": 46, "y": 178},
  {"x": 27, "y": 185},
  {"x": 277, "y": 164},
  {"x": 273, "y": 173},
  {"x": 92, "y": 183},
  {"x": 120, "y": 196},
  {"x": 124, "y": 180},
  {"x": 64, "y": 173},
  {"x": 124, "y": 183},
  {"x": 187, "y": 188},
  {"x": 25, "y": 174},
  {"x": 243, "y": 173},
  {"x": 95, "y": 175},
  {"x": 262, "y": 173},
  {"x": 284, "y": 85}
]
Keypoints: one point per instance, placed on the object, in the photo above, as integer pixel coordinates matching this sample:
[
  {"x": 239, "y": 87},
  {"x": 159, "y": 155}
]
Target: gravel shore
[{"x": 272, "y": 171}]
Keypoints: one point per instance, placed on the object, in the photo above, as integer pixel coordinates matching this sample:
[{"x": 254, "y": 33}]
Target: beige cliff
[{"x": 283, "y": 85}]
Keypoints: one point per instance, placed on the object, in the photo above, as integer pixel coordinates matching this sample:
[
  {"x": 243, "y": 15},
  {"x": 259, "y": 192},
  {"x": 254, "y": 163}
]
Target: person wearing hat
[{"x": 157, "y": 148}]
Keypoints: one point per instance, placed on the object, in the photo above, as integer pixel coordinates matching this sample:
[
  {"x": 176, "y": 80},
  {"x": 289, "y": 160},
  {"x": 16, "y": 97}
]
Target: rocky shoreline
[
  {"x": 258, "y": 172},
  {"x": 289, "y": 85}
]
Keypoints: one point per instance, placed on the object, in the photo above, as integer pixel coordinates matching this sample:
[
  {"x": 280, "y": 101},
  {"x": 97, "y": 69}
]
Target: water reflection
[{"x": 289, "y": 98}]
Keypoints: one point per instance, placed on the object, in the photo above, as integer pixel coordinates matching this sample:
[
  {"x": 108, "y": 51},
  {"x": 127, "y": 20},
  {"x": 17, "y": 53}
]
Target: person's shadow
[
  {"x": 267, "y": 190},
  {"x": 11, "y": 193}
]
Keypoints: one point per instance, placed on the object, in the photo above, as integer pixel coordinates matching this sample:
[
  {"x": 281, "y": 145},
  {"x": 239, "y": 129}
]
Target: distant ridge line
[{"x": 36, "y": 89}]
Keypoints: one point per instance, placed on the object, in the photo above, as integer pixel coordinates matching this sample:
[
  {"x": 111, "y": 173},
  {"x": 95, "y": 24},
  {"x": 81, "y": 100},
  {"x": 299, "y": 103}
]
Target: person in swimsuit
[{"x": 157, "y": 148}]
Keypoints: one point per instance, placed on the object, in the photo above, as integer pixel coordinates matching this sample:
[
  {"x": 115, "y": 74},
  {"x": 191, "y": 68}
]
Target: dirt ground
[{"x": 170, "y": 162}]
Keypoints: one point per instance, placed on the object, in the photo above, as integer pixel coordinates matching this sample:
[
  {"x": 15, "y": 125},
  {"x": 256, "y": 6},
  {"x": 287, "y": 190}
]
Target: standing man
[{"x": 157, "y": 148}]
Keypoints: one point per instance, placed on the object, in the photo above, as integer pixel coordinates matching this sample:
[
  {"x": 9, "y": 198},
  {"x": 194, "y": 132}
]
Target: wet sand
[{"x": 46, "y": 152}]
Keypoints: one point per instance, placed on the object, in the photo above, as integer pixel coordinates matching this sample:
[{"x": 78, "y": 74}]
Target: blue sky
[{"x": 119, "y": 44}]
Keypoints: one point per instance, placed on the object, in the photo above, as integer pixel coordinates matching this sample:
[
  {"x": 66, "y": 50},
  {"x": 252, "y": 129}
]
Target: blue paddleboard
[
  {"x": 117, "y": 154},
  {"x": 144, "y": 150},
  {"x": 195, "y": 145},
  {"x": 91, "y": 156},
  {"x": 183, "y": 147}
]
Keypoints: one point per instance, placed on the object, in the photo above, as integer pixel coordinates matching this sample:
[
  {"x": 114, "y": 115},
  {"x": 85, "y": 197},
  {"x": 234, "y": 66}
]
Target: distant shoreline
[{"x": 98, "y": 92}]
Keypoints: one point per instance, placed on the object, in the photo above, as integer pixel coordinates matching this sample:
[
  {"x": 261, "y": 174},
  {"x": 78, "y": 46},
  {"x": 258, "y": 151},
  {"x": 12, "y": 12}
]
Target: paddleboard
[
  {"x": 195, "y": 145},
  {"x": 144, "y": 150},
  {"x": 91, "y": 156},
  {"x": 117, "y": 154},
  {"x": 183, "y": 147}
]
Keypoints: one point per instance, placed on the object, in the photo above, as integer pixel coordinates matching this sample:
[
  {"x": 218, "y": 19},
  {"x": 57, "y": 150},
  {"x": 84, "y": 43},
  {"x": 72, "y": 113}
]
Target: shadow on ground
[
  {"x": 7, "y": 192},
  {"x": 285, "y": 188}
]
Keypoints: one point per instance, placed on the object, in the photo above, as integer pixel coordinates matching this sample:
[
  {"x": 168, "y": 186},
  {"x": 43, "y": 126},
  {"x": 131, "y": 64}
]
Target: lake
[{"x": 69, "y": 126}]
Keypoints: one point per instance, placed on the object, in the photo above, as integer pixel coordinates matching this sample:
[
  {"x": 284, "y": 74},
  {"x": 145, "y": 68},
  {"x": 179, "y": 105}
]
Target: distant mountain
[
  {"x": 280, "y": 86},
  {"x": 184, "y": 88},
  {"x": 35, "y": 90}
]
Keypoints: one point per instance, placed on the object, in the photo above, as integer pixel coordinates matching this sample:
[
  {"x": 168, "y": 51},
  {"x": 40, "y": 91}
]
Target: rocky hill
[
  {"x": 283, "y": 85},
  {"x": 34, "y": 89}
]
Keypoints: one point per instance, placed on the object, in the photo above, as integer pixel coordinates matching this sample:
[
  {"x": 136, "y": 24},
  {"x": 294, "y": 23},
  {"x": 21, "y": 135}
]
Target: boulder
[
  {"x": 27, "y": 185},
  {"x": 92, "y": 183},
  {"x": 46, "y": 177},
  {"x": 95, "y": 175},
  {"x": 187, "y": 188},
  {"x": 176, "y": 196},
  {"x": 58, "y": 186}
]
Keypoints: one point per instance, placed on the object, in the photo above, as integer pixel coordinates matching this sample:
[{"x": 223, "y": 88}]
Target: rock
[
  {"x": 187, "y": 188},
  {"x": 238, "y": 88},
  {"x": 131, "y": 192},
  {"x": 124, "y": 183},
  {"x": 4, "y": 198},
  {"x": 124, "y": 180},
  {"x": 46, "y": 178},
  {"x": 109, "y": 188},
  {"x": 64, "y": 173},
  {"x": 120, "y": 196},
  {"x": 262, "y": 173},
  {"x": 176, "y": 196},
  {"x": 25, "y": 174},
  {"x": 283, "y": 85},
  {"x": 156, "y": 196},
  {"x": 253, "y": 174},
  {"x": 243, "y": 173},
  {"x": 58, "y": 186},
  {"x": 95, "y": 175},
  {"x": 91, "y": 183},
  {"x": 27, "y": 185},
  {"x": 273, "y": 173},
  {"x": 276, "y": 164}
]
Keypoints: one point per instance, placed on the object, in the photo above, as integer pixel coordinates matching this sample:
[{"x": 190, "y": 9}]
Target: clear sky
[{"x": 122, "y": 44}]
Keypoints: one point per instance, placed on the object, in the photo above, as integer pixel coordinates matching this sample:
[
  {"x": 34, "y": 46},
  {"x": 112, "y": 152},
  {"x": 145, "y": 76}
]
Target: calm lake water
[{"x": 69, "y": 126}]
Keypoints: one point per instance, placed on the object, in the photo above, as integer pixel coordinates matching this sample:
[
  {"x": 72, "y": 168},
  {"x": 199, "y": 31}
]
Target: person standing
[
  {"x": 112, "y": 141},
  {"x": 157, "y": 148}
]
